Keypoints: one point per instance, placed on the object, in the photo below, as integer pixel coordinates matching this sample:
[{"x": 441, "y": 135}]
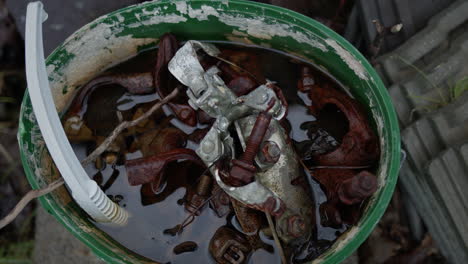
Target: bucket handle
[{"x": 85, "y": 191}]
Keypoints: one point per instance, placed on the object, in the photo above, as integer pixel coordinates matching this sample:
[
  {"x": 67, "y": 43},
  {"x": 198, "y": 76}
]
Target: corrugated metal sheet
[{"x": 420, "y": 75}]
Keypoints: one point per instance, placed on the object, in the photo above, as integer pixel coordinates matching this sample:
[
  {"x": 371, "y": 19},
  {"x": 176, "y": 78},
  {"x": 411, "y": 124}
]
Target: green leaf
[{"x": 460, "y": 87}]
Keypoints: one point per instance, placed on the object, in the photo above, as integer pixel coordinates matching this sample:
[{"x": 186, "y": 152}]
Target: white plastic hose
[{"x": 84, "y": 190}]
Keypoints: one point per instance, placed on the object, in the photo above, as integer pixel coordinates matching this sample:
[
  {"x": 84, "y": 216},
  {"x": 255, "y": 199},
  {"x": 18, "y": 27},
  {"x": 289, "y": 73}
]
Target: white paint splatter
[
  {"x": 120, "y": 18},
  {"x": 138, "y": 16},
  {"x": 257, "y": 27},
  {"x": 349, "y": 59},
  {"x": 153, "y": 12},
  {"x": 203, "y": 12},
  {"x": 181, "y": 7},
  {"x": 158, "y": 19}
]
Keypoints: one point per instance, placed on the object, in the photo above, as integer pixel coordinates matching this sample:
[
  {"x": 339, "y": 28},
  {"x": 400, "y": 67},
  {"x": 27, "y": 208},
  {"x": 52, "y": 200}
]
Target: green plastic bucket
[{"x": 123, "y": 33}]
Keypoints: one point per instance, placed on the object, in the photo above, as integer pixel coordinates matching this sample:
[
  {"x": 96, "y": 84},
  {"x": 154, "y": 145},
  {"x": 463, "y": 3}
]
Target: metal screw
[
  {"x": 270, "y": 152},
  {"x": 243, "y": 169},
  {"x": 256, "y": 136}
]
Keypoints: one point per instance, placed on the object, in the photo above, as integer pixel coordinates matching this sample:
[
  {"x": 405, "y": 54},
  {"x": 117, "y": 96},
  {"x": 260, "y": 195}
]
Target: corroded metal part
[
  {"x": 358, "y": 188},
  {"x": 243, "y": 169},
  {"x": 242, "y": 84},
  {"x": 134, "y": 83},
  {"x": 250, "y": 221},
  {"x": 277, "y": 178},
  {"x": 165, "y": 83},
  {"x": 228, "y": 246},
  {"x": 207, "y": 91},
  {"x": 254, "y": 195},
  {"x": 198, "y": 135},
  {"x": 270, "y": 152},
  {"x": 220, "y": 201},
  {"x": 220, "y": 102},
  {"x": 359, "y": 146},
  {"x": 187, "y": 246},
  {"x": 151, "y": 169},
  {"x": 196, "y": 198}
]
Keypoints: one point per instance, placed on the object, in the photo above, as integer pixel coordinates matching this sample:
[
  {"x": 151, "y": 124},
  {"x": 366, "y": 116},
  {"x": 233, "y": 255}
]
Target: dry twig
[
  {"x": 27, "y": 198},
  {"x": 126, "y": 124},
  {"x": 276, "y": 238}
]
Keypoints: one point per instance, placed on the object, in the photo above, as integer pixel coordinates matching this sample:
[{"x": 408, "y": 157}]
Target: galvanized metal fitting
[{"x": 269, "y": 187}]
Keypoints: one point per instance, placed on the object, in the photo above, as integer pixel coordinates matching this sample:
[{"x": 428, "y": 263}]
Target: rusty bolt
[
  {"x": 197, "y": 198},
  {"x": 270, "y": 152},
  {"x": 243, "y": 169},
  {"x": 358, "y": 188},
  {"x": 256, "y": 136},
  {"x": 296, "y": 226}
]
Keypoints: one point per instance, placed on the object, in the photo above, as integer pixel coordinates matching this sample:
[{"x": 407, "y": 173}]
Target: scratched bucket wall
[{"x": 115, "y": 37}]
